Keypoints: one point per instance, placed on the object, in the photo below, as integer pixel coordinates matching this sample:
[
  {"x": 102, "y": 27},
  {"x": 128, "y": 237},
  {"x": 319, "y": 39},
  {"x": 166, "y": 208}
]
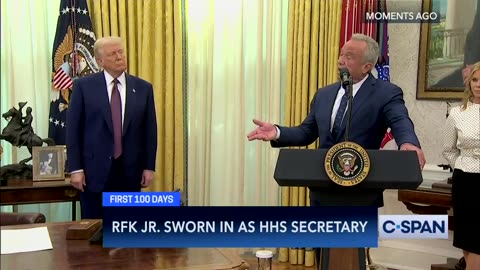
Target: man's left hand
[
  {"x": 411, "y": 147},
  {"x": 147, "y": 178}
]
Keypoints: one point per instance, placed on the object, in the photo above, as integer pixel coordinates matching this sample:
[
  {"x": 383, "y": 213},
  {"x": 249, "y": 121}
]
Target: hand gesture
[
  {"x": 77, "y": 180},
  {"x": 265, "y": 131}
]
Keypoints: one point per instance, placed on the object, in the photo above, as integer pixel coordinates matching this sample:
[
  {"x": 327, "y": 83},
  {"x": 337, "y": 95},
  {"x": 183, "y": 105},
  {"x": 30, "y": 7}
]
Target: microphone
[
  {"x": 345, "y": 77},
  {"x": 347, "y": 85}
]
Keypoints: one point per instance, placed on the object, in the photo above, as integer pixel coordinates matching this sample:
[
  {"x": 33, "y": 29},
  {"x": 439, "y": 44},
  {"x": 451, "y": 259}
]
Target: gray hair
[
  {"x": 373, "y": 51},
  {"x": 101, "y": 42}
]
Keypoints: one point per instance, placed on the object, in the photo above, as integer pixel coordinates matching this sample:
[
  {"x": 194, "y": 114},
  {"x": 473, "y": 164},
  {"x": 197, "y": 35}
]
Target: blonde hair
[
  {"x": 101, "y": 42},
  {"x": 468, "y": 94}
]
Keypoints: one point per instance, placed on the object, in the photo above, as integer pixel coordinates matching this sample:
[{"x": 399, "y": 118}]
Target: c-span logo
[
  {"x": 413, "y": 226},
  {"x": 347, "y": 164}
]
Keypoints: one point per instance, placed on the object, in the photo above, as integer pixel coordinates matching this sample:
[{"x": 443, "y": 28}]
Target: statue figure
[
  {"x": 19, "y": 131},
  {"x": 26, "y": 128}
]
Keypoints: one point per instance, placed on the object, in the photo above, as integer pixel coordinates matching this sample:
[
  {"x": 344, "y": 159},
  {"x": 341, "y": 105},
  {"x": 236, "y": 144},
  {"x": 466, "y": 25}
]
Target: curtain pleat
[{"x": 313, "y": 38}]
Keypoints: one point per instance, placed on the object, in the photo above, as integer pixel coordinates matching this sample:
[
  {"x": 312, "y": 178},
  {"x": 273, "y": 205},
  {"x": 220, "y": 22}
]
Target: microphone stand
[{"x": 348, "y": 87}]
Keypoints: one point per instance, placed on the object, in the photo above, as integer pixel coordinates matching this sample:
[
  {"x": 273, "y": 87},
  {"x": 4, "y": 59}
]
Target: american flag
[
  {"x": 383, "y": 68},
  {"x": 353, "y": 19},
  {"x": 61, "y": 79}
]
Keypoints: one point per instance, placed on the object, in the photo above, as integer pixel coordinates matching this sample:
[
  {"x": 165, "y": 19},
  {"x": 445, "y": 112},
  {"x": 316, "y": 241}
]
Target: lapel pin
[{"x": 133, "y": 90}]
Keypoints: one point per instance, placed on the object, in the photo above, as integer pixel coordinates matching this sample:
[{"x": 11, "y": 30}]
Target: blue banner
[
  {"x": 175, "y": 227},
  {"x": 141, "y": 199}
]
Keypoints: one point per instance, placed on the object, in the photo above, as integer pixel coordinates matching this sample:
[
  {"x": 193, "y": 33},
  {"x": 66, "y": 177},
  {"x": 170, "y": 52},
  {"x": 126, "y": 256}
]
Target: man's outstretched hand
[{"x": 265, "y": 131}]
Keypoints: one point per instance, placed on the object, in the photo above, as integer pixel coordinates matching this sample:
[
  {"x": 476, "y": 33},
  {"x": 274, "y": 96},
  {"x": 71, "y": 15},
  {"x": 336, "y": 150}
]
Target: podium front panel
[{"x": 389, "y": 169}]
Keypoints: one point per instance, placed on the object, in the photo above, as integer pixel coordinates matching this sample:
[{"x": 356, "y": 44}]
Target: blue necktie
[{"x": 340, "y": 113}]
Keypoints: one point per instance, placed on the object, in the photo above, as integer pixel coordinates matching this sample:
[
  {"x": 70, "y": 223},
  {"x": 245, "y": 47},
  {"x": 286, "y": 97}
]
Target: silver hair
[
  {"x": 101, "y": 42},
  {"x": 373, "y": 51}
]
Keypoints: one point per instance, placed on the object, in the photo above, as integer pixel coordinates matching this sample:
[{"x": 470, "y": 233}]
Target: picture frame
[
  {"x": 48, "y": 163},
  {"x": 444, "y": 50}
]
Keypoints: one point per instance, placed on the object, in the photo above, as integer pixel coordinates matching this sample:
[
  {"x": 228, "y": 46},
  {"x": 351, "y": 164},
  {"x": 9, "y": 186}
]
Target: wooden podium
[{"x": 388, "y": 170}]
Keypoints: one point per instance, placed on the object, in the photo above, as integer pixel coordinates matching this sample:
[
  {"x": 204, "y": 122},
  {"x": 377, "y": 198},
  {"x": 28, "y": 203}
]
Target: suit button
[{"x": 109, "y": 157}]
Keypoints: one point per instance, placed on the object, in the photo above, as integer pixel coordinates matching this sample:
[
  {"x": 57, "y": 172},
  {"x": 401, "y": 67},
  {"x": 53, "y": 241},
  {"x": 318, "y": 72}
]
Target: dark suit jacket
[
  {"x": 377, "y": 105},
  {"x": 89, "y": 136}
]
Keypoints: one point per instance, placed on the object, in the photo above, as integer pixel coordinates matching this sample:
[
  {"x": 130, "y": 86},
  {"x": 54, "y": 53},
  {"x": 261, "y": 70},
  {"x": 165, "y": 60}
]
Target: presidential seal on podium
[{"x": 347, "y": 164}]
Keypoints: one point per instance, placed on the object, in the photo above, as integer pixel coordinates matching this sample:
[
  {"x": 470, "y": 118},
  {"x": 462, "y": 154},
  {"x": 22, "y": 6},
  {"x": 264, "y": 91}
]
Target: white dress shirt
[
  {"x": 121, "y": 88},
  {"x": 338, "y": 100},
  {"x": 462, "y": 138}
]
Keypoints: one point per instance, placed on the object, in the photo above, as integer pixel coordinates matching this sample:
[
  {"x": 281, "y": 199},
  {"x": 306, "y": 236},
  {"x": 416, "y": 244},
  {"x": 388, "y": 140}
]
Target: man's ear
[
  {"x": 367, "y": 67},
  {"x": 99, "y": 62}
]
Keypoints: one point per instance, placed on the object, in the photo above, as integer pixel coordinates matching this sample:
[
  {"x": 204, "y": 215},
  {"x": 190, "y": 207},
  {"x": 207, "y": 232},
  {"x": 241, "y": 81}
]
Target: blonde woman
[{"x": 462, "y": 150}]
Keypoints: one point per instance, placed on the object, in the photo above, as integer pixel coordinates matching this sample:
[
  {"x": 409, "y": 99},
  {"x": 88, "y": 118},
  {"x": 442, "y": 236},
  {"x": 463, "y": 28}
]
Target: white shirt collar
[
  {"x": 109, "y": 78},
  {"x": 356, "y": 86}
]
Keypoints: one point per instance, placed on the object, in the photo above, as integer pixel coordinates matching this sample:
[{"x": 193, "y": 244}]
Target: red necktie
[{"x": 116, "y": 108}]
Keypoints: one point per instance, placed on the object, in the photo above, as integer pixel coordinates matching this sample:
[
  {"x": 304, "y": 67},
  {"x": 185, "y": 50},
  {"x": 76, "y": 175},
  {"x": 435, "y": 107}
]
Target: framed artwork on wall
[{"x": 447, "y": 47}]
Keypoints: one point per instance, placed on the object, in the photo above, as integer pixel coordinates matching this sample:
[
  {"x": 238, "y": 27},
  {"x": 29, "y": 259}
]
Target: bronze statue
[{"x": 19, "y": 131}]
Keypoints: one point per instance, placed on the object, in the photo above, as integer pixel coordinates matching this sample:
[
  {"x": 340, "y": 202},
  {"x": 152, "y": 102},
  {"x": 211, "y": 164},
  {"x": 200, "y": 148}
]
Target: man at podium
[{"x": 376, "y": 105}]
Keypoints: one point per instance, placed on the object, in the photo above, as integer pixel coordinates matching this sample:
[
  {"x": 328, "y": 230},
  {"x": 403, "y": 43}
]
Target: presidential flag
[
  {"x": 72, "y": 57},
  {"x": 383, "y": 68}
]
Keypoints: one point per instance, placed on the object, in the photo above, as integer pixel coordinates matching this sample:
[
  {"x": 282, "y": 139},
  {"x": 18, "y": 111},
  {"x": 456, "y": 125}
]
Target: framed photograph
[
  {"x": 48, "y": 163},
  {"x": 447, "y": 47}
]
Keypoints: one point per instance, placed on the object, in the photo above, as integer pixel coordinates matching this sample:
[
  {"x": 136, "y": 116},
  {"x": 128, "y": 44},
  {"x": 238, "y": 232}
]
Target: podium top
[{"x": 389, "y": 169}]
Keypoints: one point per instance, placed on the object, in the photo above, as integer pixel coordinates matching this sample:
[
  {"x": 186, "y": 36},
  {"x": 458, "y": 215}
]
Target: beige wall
[{"x": 428, "y": 116}]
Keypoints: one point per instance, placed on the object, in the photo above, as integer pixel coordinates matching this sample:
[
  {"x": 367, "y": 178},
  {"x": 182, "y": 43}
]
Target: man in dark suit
[
  {"x": 111, "y": 130},
  {"x": 377, "y": 105}
]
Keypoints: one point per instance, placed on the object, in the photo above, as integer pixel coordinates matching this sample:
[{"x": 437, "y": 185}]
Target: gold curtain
[
  {"x": 313, "y": 37},
  {"x": 152, "y": 33}
]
